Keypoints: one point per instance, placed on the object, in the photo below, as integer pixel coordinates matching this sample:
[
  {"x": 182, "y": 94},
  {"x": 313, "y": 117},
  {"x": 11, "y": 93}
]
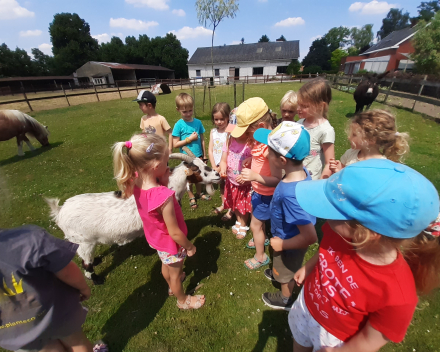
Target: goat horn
[
  {"x": 210, "y": 189},
  {"x": 189, "y": 152},
  {"x": 182, "y": 157}
]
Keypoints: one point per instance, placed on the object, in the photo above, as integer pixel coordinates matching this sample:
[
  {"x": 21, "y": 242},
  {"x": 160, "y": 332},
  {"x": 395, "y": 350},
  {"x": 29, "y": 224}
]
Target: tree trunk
[{"x": 212, "y": 58}]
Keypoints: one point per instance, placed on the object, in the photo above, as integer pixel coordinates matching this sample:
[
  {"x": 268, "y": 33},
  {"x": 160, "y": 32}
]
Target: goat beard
[{"x": 210, "y": 189}]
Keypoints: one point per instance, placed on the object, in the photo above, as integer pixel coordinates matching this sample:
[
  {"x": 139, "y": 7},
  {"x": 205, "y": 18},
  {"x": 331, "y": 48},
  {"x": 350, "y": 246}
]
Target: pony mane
[{"x": 24, "y": 118}]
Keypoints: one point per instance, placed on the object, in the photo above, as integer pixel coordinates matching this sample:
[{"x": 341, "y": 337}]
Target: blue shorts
[{"x": 261, "y": 206}]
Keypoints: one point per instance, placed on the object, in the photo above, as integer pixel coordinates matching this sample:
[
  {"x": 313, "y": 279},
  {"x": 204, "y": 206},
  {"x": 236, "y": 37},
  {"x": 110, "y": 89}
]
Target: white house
[{"x": 243, "y": 60}]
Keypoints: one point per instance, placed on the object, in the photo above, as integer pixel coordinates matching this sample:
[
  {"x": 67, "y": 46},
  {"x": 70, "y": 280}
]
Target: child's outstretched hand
[
  {"x": 335, "y": 165},
  {"x": 300, "y": 276},
  {"x": 247, "y": 175},
  {"x": 276, "y": 243},
  {"x": 191, "y": 251}
]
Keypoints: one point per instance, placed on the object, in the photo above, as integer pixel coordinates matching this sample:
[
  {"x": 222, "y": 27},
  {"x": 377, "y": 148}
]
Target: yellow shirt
[{"x": 156, "y": 124}]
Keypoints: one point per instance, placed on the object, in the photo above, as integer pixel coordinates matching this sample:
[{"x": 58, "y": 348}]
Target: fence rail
[{"x": 349, "y": 84}]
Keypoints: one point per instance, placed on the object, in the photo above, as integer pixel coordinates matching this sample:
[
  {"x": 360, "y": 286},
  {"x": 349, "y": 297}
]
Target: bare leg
[
  {"x": 175, "y": 271},
  {"x": 298, "y": 348},
  {"x": 243, "y": 220},
  {"x": 77, "y": 342},
  {"x": 53, "y": 346},
  {"x": 257, "y": 228},
  {"x": 192, "y": 200},
  {"x": 287, "y": 288}
]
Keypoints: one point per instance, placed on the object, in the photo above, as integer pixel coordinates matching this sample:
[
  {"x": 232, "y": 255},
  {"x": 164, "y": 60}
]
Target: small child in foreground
[
  {"x": 152, "y": 122},
  {"x": 360, "y": 289},
  {"x": 188, "y": 131},
  {"x": 373, "y": 135},
  {"x": 41, "y": 293},
  {"x": 292, "y": 228}
]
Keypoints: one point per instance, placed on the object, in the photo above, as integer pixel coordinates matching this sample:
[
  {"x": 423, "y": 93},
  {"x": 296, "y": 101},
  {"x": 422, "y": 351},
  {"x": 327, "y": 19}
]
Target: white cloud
[
  {"x": 102, "y": 38},
  {"x": 315, "y": 37},
  {"x": 371, "y": 8},
  {"x": 30, "y": 33},
  {"x": 132, "y": 23},
  {"x": 179, "y": 12},
  {"x": 291, "y": 21},
  {"x": 235, "y": 42},
  {"x": 10, "y": 9},
  {"x": 154, "y": 4},
  {"x": 46, "y": 48},
  {"x": 188, "y": 32}
]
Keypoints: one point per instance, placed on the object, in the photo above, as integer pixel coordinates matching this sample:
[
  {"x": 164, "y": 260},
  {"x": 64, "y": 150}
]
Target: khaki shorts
[{"x": 286, "y": 264}]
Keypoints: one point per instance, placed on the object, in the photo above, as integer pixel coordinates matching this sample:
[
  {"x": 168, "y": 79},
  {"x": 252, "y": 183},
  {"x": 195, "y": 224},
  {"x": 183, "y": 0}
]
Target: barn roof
[
  {"x": 287, "y": 50},
  {"x": 119, "y": 66},
  {"x": 35, "y": 78},
  {"x": 392, "y": 40}
]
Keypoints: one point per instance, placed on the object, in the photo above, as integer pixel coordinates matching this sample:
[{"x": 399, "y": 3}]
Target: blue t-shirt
[
  {"x": 184, "y": 129},
  {"x": 286, "y": 213}
]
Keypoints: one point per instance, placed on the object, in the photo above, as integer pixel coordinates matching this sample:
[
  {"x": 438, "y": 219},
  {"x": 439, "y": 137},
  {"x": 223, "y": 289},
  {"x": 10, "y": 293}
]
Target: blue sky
[{"x": 25, "y": 23}]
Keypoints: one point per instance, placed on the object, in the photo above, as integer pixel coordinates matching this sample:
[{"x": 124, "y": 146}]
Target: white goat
[{"x": 107, "y": 218}]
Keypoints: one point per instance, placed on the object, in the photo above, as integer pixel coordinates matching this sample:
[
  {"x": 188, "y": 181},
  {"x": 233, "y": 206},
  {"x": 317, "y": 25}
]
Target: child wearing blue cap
[
  {"x": 293, "y": 229},
  {"x": 360, "y": 288}
]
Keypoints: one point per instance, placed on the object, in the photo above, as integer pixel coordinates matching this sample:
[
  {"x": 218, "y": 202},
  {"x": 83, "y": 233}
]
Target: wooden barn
[{"x": 12, "y": 85}]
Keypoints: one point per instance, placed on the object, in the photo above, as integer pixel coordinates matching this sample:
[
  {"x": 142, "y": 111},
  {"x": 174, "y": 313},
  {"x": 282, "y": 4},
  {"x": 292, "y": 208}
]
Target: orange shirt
[
  {"x": 260, "y": 164},
  {"x": 157, "y": 124}
]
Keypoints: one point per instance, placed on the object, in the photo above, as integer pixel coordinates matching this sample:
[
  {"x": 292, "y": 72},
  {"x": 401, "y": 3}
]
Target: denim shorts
[{"x": 261, "y": 206}]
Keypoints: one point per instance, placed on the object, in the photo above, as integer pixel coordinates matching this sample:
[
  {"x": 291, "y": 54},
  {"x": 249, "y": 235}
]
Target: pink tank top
[{"x": 237, "y": 153}]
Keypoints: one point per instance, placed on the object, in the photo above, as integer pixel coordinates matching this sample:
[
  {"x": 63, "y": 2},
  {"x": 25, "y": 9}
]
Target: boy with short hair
[
  {"x": 188, "y": 131},
  {"x": 41, "y": 292},
  {"x": 152, "y": 122},
  {"x": 292, "y": 228}
]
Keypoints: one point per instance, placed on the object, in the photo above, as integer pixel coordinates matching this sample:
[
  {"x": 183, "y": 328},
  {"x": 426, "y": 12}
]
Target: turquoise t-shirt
[{"x": 184, "y": 129}]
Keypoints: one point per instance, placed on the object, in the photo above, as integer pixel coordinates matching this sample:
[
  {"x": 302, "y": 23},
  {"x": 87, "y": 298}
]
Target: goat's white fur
[{"x": 92, "y": 218}]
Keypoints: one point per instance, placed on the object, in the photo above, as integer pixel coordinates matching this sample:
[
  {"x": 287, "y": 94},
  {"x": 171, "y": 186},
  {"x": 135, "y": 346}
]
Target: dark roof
[
  {"x": 36, "y": 78},
  {"x": 118, "y": 66},
  {"x": 287, "y": 50},
  {"x": 391, "y": 40}
]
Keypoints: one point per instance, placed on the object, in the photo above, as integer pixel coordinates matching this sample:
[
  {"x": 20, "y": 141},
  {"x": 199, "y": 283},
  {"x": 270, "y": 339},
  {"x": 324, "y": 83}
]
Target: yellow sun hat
[{"x": 248, "y": 112}]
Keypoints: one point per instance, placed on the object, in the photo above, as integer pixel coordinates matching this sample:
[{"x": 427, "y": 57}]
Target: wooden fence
[{"x": 349, "y": 84}]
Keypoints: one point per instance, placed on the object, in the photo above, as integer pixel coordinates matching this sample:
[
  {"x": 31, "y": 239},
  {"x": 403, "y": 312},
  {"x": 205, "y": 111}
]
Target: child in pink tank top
[{"x": 164, "y": 226}]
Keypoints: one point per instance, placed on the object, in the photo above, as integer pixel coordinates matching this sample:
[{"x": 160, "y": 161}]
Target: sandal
[
  {"x": 236, "y": 227},
  {"x": 187, "y": 304},
  {"x": 218, "y": 210},
  {"x": 248, "y": 245},
  {"x": 227, "y": 216},
  {"x": 203, "y": 196},
  {"x": 242, "y": 232},
  {"x": 182, "y": 279},
  {"x": 100, "y": 347},
  {"x": 193, "y": 203},
  {"x": 258, "y": 264}
]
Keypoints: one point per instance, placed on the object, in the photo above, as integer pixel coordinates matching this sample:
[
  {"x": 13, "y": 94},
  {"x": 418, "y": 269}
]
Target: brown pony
[{"x": 14, "y": 123}]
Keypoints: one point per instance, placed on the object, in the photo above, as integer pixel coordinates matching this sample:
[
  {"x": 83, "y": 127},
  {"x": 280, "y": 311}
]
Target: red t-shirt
[{"x": 344, "y": 291}]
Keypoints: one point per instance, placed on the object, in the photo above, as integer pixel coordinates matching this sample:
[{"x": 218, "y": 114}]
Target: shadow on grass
[
  {"x": 29, "y": 154},
  {"x": 349, "y": 115},
  {"x": 274, "y": 324},
  {"x": 132, "y": 317}
]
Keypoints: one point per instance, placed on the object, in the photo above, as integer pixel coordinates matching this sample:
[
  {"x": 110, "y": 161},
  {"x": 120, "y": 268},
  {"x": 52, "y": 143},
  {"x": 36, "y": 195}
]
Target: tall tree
[
  {"x": 319, "y": 55},
  {"x": 168, "y": 52},
  {"x": 215, "y": 11},
  {"x": 361, "y": 37},
  {"x": 264, "y": 39},
  {"x": 336, "y": 58},
  {"x": 427, "y": 9},
  {"x": 394, "y": 21},
  {"x": 72, "y": 43},
  {"x": 293, "y": 67},
  {"x": 281, "y": 39},
  {"x": 113, "y": 51},
  {"x": 242, "y": 40},
  {"x": 337, "y": 37},
  {"x": 426, "y": 43},
  {"x": 43, "y": 64}
]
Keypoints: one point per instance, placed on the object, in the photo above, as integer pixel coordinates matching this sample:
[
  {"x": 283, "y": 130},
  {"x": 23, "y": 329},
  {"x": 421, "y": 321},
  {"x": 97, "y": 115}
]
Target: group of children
[{"x": 360, "y": 288}]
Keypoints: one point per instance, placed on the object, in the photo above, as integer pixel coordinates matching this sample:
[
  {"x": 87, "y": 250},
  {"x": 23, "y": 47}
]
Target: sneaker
[
  {"x": 269, "y": 274},
  {"x": 275, "y": 300}
]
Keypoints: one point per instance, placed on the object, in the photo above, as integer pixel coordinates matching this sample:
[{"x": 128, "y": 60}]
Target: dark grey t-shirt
[{"x": 33, "y": 301}]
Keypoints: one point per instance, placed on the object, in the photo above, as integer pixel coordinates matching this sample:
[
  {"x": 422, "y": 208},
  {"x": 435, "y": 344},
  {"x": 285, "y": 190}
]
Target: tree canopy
[
  {"x": 337, "y": 37},
  {"x": 426, "y": 44},
  {"x": 264, "y": 39},
  {"x": 336, "y": 58},
  {"x": 427, "y": 9},
  {"x": 394, "y": 21},
  {"x": 18, "y": 63},
  {"x": 293, "y": 67},
  {"x": 281, "y": 39},
  {"x": 362, "y": 37},
  {"x": 319, "y": 55}
]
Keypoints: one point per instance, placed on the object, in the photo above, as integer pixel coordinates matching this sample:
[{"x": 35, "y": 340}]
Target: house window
[
  {"x": 217, "y": 72},
  {"x": 259, "y": 50},
  {"x": 257, "y": 70},
  {"x": 278, "y": 48},
  {"x": 281, "y": 69},
  {"x": 198, "y": 73}
]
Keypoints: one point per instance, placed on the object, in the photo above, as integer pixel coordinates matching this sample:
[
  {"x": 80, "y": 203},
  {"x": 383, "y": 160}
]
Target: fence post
[
  {"x": 209, "y": 95},
  {"x": 194, "y": 98},
  {"x": 300, "y": 77},
  {"x": 181, "y": 87},
  {"x": 97, "y": 97},
  {"x": 65, "y": 95},
  {"x": 282, "y": 77},
  {"x": 137, "y": 87},
  {"x": 243, "y": 91},
  {"x": 389, "y": 89},
  {"x": 264, "y": 79},
  {"x": 204, "y": 94},
  {"x": 247, "y": 79},
  {"x": 117, "y": 86},
  {"x": 420, "y": 92},
  {"x": 235, "y": 95},
  {"x": 27, "y": 101}
]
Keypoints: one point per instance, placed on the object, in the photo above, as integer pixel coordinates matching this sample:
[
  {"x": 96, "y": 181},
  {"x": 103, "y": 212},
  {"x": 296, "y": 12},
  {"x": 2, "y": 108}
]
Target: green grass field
[{"x": 132, "y": 311}]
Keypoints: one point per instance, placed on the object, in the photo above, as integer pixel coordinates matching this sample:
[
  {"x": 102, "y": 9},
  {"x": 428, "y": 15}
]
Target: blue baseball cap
[
  {"x": 386, "y": 197},
  {"x": 289, "y": 139}
]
